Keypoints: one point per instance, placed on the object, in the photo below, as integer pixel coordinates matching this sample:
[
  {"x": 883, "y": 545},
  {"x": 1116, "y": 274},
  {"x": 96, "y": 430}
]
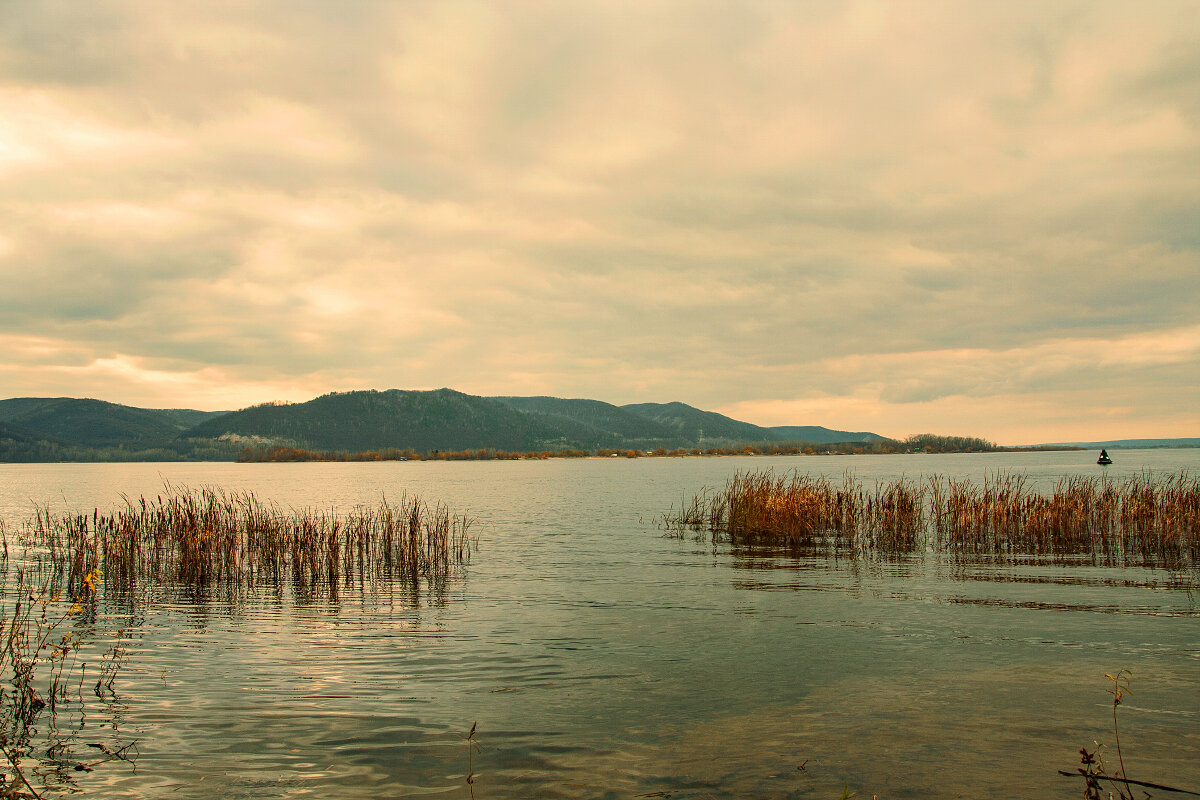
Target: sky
[{"x": 964, "y": 218}]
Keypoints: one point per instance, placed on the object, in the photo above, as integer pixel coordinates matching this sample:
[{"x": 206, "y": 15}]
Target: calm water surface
[{"x": 603, "y": 660}]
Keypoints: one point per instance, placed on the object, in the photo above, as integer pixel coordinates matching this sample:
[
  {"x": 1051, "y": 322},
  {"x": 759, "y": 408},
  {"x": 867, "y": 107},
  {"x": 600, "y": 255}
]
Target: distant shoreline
[
  {"x": 295, "y": 455},
  {"x": 442, "y": 424}
]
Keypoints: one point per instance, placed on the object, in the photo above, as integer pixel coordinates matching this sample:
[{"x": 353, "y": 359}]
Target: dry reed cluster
[
  {"x": 1141, "y": 519},
  {"x": 209, "y": 536},
  {"x": 51, "y": 582}
]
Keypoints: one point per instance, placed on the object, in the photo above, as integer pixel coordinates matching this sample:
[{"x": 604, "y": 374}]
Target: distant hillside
[
  {"x": 185, "y": 418},
  {"x": 694, "y": 425},
  {"x": 73, "y": 429},
  {"x": 15, "y": 434},
  {"x": 370, "y": 420},
  {"x": 447, "y": 420},
  {"x": 718, "y": 430},
  {"x": 18, "y": 444},
  {"x": 96, "y": 423},
  {"x": 1131, "y": 444},
  {"x": 22, "y": 444},
  {"x": 819, "y": 435},
  {"x": 597, "y": 424},
  {"x": 67, "y": 429},
  {"x": 15, "y": 407}
]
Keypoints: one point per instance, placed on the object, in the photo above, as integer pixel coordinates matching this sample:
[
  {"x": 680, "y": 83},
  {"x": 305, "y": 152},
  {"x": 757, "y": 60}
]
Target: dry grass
[
  {"x": 205, "y": 537},
  {"x": 182, "y": 538},
  {"x": 1142, "y": 519}
]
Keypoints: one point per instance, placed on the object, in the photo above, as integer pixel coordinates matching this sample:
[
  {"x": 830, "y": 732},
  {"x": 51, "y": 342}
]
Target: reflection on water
[
  {"x": 602, "y": 660},
  {"x": 1144, "y": 520},
  {"x": 944, "y": 578}
]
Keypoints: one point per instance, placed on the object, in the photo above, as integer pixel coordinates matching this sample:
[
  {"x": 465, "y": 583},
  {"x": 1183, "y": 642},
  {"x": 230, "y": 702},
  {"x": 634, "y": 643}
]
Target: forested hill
[
  {"x": 708, "y": 427},
  {"x": 95, "y": 423},
  {"x": 594, "y": 424},
  {"x": 695, "y": 425},
  {"x": 76, "y": 429},
  {"x": 406, "y": 420},
  {"x": 447, "y": 420},
  {"x": 670, "y": 425},
  {"x": 72, "y": 429},
  {"x": 820, "y": 435}
]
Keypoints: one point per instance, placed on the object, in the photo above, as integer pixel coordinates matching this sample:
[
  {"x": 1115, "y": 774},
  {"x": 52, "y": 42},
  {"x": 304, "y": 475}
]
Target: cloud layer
[{"x": 969, "y": 218}]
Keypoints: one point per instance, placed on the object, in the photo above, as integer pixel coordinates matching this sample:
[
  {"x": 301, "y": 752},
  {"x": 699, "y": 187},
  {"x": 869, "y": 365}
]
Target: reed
[
  {"x": 1091, "y": 763},
  {"x": 194, "y": 539},
  {"x": 1143, "y": 519},
  {"x": 42, "y": 636},
  {"x": 210, "y": 537}
]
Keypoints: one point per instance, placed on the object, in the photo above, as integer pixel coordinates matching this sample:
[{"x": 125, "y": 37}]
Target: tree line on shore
[{"x": 918, "y": 443}]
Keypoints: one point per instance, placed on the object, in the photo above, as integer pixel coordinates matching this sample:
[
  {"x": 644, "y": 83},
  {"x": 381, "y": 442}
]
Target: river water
[{"x": 600, "y": 659}]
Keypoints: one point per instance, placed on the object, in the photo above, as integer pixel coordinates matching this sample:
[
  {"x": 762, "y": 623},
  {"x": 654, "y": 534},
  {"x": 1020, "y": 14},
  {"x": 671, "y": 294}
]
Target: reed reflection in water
[
  {"x": 208, "y": 536},
  {"x": 1142, "y": 519},
  {"x": 199, "y": 546}
]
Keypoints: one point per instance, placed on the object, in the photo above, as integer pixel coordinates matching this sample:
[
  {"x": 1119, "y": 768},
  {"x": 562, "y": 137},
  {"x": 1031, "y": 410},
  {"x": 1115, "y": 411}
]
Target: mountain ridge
[{"x": 444, "y": 419}]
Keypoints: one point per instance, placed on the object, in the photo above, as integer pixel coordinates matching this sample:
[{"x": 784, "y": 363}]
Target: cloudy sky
[{"x": 960, "y": 217}]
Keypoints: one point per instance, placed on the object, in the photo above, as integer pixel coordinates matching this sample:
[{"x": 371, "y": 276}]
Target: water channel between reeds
[{"x": 597, "y": 657}]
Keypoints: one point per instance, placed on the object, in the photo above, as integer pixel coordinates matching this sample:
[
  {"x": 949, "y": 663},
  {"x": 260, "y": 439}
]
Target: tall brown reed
[
  {"x": 1141, "y": 519},
  {"x": 191, "y": 538},
  {"x": 799, "y": 509},
  {"x": 204, "y": 537}
]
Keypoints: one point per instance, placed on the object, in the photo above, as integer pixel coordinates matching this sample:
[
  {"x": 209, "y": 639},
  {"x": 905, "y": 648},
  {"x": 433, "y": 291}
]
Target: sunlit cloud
[
  {"x": 206, "y": 387},
  {"x": 856, "y": 214},
  {"x": 41, "y": 132}
]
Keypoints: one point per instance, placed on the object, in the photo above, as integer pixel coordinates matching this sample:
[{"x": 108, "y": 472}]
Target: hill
[
  {"x": 96, "y": 423},
  {"x": 819, "y": 435},
  {"x": 1130, "y": 444},
  {"x": 670, "y": 425},
  {"x": 12, "y": 434},
  {"x": 407, "y": 420},
  {"x": 83, "y": 429},
  {"x": 710, "y": 429},
  {"x": 597, "y": 424},
  {"x": 74, "y": 429},
  {"x": 706, "y": 428}
]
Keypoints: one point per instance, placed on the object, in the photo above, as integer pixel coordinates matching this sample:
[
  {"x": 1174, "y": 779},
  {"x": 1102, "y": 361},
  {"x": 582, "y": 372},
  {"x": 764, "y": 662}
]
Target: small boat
[{"x": 1104, "y": 459}]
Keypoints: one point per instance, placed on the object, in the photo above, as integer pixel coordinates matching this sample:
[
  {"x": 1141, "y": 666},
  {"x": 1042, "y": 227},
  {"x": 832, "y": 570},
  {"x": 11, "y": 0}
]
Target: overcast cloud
[{"x": 969, "y": 218}]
